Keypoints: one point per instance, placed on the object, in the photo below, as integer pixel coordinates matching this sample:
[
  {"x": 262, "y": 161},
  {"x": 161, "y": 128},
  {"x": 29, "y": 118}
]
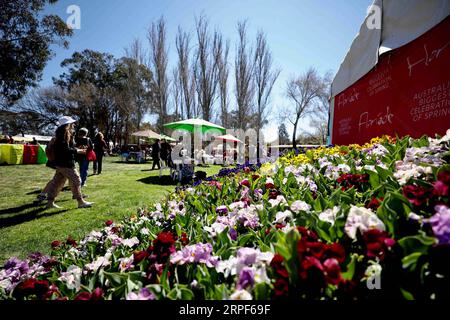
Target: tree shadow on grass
[
  {"x": 19, "y": 209},
  {"x": 28, "y": 216},
  {"x": 156, "y": 180},
  {"x": 131, "y": 162}
]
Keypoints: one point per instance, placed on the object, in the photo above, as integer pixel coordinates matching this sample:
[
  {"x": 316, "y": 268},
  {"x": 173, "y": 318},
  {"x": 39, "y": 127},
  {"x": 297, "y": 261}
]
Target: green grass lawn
[{"x": 119, "y": 191}]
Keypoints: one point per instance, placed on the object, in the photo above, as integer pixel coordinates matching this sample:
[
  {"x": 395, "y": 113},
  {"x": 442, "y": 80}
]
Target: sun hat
[{"x": 65, "y": 120}]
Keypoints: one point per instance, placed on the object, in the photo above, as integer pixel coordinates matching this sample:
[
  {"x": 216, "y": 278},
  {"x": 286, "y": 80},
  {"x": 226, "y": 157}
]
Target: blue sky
[{"x": 300, "y": 33}]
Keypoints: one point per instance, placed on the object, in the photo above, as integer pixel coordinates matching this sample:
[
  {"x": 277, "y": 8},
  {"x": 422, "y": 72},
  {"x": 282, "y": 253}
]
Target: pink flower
[{"x": 332, "y": 271}]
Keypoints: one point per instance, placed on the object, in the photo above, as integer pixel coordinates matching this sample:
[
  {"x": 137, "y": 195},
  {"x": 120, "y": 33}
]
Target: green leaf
[
  {"x": 243, "y": 240},
  {"x": 384, "y": 174},
  {"x": 407, "y": 295},
  {"x": 115, "y": 279},
  {"x": 422, "y": 142},
  {"x": 351, "y": 267},
  {"x": 419, "y": 243},
  {"x": 180, "y": 292},
  {"x": 410, "y": 261},
  {"x": 199, "y": 207},
  {"x": 262, "y": 291},
  {"x": 374, "y": 178}
]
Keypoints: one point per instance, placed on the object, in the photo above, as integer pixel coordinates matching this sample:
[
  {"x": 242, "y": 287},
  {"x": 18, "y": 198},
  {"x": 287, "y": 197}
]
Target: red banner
[
  {"x": 30, "y": 154},
  {"x": 406, "y": 93}
]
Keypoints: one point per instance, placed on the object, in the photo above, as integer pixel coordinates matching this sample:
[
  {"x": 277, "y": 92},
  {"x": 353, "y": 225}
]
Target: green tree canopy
[{"x": 25, "y": 39}]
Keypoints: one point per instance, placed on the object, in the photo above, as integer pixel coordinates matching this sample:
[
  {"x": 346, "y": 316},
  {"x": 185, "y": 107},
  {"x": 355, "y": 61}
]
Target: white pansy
[
  {"x": 157, "y": 215},
  {"x": 329, "y": 215},
  {"x": 126, "y": 263},
  {"x": 145, "y": 231},
  {"x": 237, "y": 205},
  {"x": 299, "y": 205},
  {"x": 72, "y": 277},
  {"x": 227, "y": 267},
  {"x": 260, "y": 274},
  {"x": 277, "y": 201},
  {"x": 96, "y": 234},
  {"x": 215, "y": 229},
  {"x": 265, "y": 257},
  {"x": 378, "y": 150},
  {"x": 407, "y": 170},
  {"x": 283, "y": 216},
  {"x": 361, "y": 219},
  {"x": 190, "y": 190},
  {"x": 5, "y": 284},
  {"x": 241, "y": 295},
  {"x": 257, "y": 207},
  {"x": 100, "y": 262},
  {"x": 73, "y": 252},
  {"x": 130, "y": 242},
  {"x": 368, "y": 167},
  {"x": 172, "y": 204},
  {"x": 288, "y": 228}
]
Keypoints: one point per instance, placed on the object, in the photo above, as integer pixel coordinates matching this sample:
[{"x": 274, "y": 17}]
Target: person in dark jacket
[
  {"x": 100, "y": 147},
  {"x": 83, "y": 142},
  {"x": 166, "y": 153},
  {"x": 156, "y": 148},
  {"x": 65, "y": 153}
]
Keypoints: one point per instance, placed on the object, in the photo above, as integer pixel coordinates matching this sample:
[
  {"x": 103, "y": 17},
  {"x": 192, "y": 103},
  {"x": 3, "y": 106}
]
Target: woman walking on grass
[
  {"x": 100, "y": 147},
  {"x": 64, "y": 153},
  {"x": 83, "y": 142}
]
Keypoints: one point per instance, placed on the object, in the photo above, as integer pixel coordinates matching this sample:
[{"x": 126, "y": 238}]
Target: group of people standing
[
  {"x": 161, "y": 150},
  {"x": 63, "y": 151},
  {"x": 98, "y": 147}
]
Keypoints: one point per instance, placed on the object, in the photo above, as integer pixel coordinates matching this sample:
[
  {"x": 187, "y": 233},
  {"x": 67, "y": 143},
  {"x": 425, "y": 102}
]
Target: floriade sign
[{"x": 407, "y": 93}]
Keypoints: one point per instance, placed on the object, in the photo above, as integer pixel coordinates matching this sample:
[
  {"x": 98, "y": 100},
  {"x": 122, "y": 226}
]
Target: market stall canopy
[
  {"x": 229, "y": 137},
  {"x": 167, "y": 138},
  {"x": 401, "y": 22},
  {"x": 22, "y": 139},
  {"x": 147, "y": 134},
  {"x": 191, "y": 124},
  {"x": 39, "y": 138}
]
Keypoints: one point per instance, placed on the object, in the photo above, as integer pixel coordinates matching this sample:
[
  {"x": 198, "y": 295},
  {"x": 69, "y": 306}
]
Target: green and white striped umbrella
[{"x": 194, "y": 124}]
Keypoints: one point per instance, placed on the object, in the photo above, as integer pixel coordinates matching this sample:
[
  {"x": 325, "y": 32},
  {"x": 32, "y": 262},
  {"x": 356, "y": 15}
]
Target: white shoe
[
  {"x": 85, "y": 205},
  {"x": 53, "y": 205}
]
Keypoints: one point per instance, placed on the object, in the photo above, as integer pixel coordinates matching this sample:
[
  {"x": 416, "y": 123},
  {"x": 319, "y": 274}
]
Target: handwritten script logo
[
  {"x": 428, "y": 58},
  {"x": 365, "y": 122},
  {"x": 348, "y": 98}
]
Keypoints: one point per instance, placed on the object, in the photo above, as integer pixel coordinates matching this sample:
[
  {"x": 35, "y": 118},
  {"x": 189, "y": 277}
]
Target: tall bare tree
[
  {"x": 185, "y": 72},
  {"x": 222, "y": 74},
  {"x": 157, "y": 37},
  {"x": 321, "y": 115},
  {"x": 177, "y": 93},
  {"x": 243, "y": 73},
  {"x": 305, "y": 91},
  {"x": 264, "y": 77},
  {"x": 205, "y": 67}
]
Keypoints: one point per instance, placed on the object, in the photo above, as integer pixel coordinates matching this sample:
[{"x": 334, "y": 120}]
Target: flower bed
[{"x": 349, "y": 222}]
